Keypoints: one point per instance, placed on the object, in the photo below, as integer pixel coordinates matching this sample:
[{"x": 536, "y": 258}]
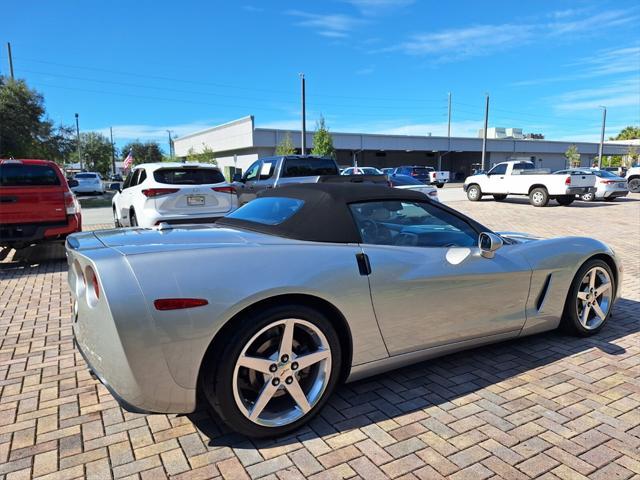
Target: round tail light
[{"x": 93, "y": 286}]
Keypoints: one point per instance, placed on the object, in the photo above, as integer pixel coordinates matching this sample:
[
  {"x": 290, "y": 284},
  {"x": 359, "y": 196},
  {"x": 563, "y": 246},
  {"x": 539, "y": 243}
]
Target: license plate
[{"x": 195, "y": 200}]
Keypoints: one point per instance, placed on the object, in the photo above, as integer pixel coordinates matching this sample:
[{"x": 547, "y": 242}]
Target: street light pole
[
  {"x": 604, "y": 122},
  {"x": 171, "y": 154},
  {"x": 113, "y": 152},
  {"x": 78, "y": 140},
  {"x": 484, "y": 133},
  {"x": 10, "y": 60},
  {"x": 303, "y": 139}
]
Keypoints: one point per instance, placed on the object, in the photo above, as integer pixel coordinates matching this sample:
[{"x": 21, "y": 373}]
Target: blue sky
[{"x": 371, "y": 65}]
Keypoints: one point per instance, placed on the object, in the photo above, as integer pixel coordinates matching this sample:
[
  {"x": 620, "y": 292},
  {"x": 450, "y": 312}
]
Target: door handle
[{"x": 364, "y": 266}]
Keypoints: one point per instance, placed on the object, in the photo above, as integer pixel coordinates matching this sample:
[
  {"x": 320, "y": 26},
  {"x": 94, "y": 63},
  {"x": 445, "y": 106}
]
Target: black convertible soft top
[{"x": 325, "y": 215}]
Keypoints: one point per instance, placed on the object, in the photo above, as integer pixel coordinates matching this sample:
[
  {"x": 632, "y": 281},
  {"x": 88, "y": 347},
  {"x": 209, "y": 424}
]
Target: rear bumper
[
  {"x": 613, "y": 193},
  {"x": 580, "y": 190},
  {"x": 35, "y": 232}
]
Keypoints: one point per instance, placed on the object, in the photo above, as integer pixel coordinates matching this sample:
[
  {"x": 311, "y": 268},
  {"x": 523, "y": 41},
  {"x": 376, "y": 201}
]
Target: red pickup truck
[{"x": 36, "y": 203}]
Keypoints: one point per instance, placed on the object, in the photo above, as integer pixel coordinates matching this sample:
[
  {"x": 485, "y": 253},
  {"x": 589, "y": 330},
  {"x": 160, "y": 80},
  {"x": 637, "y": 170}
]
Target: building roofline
[{"x": 219, "y": 127}]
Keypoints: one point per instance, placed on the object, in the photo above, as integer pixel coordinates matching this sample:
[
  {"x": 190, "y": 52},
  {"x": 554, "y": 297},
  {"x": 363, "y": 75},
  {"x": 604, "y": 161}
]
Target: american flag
[{"x": 128, "y": 161}]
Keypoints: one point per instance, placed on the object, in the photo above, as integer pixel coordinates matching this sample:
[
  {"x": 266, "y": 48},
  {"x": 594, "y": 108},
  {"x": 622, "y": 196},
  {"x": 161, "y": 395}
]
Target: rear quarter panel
[{"x": 233, "y": 278}]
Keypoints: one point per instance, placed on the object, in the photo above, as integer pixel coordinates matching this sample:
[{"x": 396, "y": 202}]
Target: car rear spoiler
[{"x": 382, "y": 179}]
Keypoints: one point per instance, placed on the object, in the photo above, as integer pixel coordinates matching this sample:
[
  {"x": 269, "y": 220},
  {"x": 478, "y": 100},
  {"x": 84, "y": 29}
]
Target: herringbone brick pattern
[{"x": 548, "y": 406}]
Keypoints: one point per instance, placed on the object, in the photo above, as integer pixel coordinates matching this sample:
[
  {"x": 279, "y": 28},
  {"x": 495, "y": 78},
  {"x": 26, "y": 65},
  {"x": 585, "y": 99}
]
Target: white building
[{"x": 240, "y": 142}]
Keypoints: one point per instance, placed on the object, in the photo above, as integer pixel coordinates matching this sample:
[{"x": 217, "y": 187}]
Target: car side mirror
[
  {"x": 237, "y": 177},
  {"x": 488, "y": 244},
  {"x": 73, "y": 183}
]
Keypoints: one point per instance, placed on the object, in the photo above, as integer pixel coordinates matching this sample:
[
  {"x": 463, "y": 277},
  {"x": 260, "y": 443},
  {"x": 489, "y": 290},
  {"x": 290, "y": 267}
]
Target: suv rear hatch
[
  {"x": 420, "y": 173},
  {"x": 30, "y": 193},
  {"x": 191, "y": 190}
]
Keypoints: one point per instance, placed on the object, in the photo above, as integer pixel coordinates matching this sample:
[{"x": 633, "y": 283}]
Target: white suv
[
  {"x": 173, "y": 193},
  {"x": 88, "y": 182}
]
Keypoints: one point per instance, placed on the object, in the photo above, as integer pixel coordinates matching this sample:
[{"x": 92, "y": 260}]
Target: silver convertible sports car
[{"x": 263, "y": 313}]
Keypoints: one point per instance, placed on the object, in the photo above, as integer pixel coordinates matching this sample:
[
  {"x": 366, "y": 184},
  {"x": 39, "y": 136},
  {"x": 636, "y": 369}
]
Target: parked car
[
  {"x": 274, "y": 172},
  {"x": 88, "y": 182},
  {"x": 619, "y": 171},
  {"x": 387, "y": 171},
  {"x": 409, "y": 183},
  {"x": 173, "y": 193},
  {"x": 361, "y": 171},
  {"x": 608, "y": 185},
  {"x": 116, "y": 177},
  {"x": 427, "y": 175},
  {"x": 633, "y": 179},
  {"x": 263, "y": 313},
  {"x": 522, "y": 178},
  {"x": 36, "y": 203}
]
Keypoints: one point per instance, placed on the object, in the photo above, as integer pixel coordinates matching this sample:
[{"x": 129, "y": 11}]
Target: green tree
[
  {"x": 573, "y": 156},
  {"x": 286, "y": 146},
  {"x": 147, "y": 152},
  {"x": 322, "y": 141},
  {"x": 627, "y": 133},
  {"x": 96, "y": 152},
  {"x": 25, "y": 131},
  {"x": 207, "y": 155}
]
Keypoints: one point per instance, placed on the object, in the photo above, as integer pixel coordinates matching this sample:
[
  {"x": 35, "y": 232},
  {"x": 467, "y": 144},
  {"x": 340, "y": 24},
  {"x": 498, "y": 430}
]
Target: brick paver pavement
[{"x": 548, "y": 406}]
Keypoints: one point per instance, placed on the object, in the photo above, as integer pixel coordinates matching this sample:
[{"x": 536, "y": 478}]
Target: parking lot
[{"x": 548, "y": 406}]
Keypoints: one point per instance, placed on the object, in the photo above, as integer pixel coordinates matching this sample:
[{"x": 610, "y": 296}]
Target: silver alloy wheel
[
  {"x": 282, "y": 372},
  {"x": 593, "y": 301},
  {"x": 474, "y": 192},
  {"x": 538, "y": 198},
  {"x": 588, "y": 197}
]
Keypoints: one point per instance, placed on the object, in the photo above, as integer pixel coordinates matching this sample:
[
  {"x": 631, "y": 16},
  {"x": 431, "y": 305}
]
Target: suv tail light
[
  {"x": 71, "y": 204},
  {"x": 568, "y": 180},
  {"x": 224, "y": 189},
  {"x": 158, "y": 192}
]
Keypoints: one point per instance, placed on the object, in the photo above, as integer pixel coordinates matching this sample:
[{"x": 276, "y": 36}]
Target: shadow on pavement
[
  {"x": 25, "y": 261},
  {"x": 440, "y": 381}
]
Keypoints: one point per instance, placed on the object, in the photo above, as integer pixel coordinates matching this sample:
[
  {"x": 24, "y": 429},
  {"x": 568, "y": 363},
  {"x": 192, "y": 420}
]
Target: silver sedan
[
  {"x": 266, "y": 311},
  {"x": 609, "y": 186}
]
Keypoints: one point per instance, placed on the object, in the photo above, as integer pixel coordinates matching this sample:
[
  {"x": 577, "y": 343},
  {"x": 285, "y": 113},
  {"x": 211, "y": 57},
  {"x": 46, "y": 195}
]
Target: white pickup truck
[
  {"x": 633, "y": 179},
  {"x": 522, "y": 178}
]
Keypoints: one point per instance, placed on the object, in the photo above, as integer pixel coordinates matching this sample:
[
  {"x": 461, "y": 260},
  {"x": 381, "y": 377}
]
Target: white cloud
[
  {"x": 329, "y": 25},
  {"x": 481, "y": 40},
  {"x": 375, "y": 7},
  {"x": 623, "y": 93},
  {"x": 153, "y": 132}
]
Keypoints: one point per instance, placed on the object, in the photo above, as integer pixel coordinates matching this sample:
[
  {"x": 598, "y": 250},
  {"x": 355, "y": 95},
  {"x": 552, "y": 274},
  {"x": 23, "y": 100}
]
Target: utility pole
[
  {"x": 303, "y": 139},
  {"x": 10, "y": 60},
  {"x": 604, "y": 122},
  {"x": 78, "y": 141},
  {"x": 170, "y": 145},
  {"x": 484, "y": 133},
  {"x": 448, "y": 131},
  {"x": 113, "y": 152}
]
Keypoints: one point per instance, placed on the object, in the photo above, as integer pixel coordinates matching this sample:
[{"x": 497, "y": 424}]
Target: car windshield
[
  {"x": 401, "y": 180},
  {"x": 268, "y": 210},
  {"x": 22, "y": 175},
  {"x": 188, "y": 176},
  {"x": 604, "y": 174},
  {"x": 86, "y": 175},
  {"x": 308, "y": 167}
]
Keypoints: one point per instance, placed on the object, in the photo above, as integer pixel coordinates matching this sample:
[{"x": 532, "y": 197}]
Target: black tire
[
  {"x": 610, "y": 199},
  {"x": 499, "y": 197},
  {"x": 133, "y": 221},
  {"x": 634, "y": 185},
  {"x": 570, "y": 322},
  {"x": 116, "y": 222},
  {"x": 539, "y": 197},
  {"x": 588, "y": 197},
  {"x": 474, "y": 193},
  {"x": 216, "y": 377},
  {"x": 565, "y": 200},
  {"x": 439, "y": 185}
]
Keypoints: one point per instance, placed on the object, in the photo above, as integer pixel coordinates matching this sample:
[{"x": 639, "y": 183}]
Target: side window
[
  {"x": 267, "y": 169},
  {"x": 413, "y": 224},
  {"x": 253, "y": 171},
  {"x": 143, "y": 176},
  {"x": 499, "y": 169},
  {"x": 127, "y": 181}
]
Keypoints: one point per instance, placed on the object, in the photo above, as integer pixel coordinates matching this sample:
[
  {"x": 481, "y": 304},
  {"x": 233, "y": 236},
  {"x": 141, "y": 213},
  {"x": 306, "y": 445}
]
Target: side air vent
[{"x": 543, "y": 293}]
